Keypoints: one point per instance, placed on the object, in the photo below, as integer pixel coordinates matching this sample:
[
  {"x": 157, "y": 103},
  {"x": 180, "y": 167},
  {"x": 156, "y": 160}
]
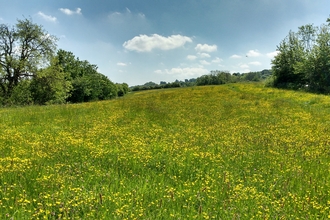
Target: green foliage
[
  {"x": 50, "y": 85},
  {"x": 23, "y": 48},
  {"x": 30, "y": 74},
  {"x": 87, "y": 83},
  {"x": 122, "y": 89},
  {"x": 21, "y": 94},
  {"x": 290, "y": 53},
  {"x": 214, "y": 78},
  {"x": 303, "y": 60}
]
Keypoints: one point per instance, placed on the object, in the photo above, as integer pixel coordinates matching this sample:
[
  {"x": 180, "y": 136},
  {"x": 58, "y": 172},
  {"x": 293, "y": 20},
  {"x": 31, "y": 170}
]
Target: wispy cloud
[
  {"x": 144, "y": 43},
  {"x": 235, "y": 56},
  {"x": 244, "y": 66},
  {"x": 184, "y": 72},
  {"x": 126, "y": 16},
  {"x": 191, "y": 57},
  {"x": 206, "y": 48},
  {"x": 253, "y": 53},
  {"x": 71, "y": 12},
  {"x": 217, "y": 60},
  {"x": 121, "y": 64},
  {"x": 255, "y": 63},
  {"x": 46, "y": 17}
]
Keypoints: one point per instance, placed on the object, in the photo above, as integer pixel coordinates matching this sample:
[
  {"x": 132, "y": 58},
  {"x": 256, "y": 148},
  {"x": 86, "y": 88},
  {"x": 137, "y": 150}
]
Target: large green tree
[
  {"x": 318, "y": 73},
  {"x": 24, "y": 48},
  {"x": 87, "y": 83},
  {"x": 304, "y": 59},
  {"x": 291, "y": 51},
  {"x": 51, "y": 85}
]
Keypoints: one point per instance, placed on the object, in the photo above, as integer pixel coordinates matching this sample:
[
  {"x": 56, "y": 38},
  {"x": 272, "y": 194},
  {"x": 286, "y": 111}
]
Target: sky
[{"x": 138, "y": 41}]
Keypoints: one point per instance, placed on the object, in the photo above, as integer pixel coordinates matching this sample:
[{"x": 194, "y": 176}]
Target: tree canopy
[
  {"x": 23, "y": 49},
  {"x": 303, "y": 60}
]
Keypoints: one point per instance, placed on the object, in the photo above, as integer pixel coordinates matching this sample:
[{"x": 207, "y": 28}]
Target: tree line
[
  {"x": 215, "y": 77},
  {"x": 303, "y": 60},
  {"x": 33, "y": 71}
]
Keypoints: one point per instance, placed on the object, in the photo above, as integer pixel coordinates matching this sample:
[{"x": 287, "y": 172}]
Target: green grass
[{"x": 237, "y": 151}]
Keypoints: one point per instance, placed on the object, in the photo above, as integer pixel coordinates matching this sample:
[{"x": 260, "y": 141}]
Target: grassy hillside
[{"x": 237, "y": 151}]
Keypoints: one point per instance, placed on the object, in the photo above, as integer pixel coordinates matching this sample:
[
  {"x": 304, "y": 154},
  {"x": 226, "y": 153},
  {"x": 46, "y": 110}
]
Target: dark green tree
[{"x": 87, "y": 83}]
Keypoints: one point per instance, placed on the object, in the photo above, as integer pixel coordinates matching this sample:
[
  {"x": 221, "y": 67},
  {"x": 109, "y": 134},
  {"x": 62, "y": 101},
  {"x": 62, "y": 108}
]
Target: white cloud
[
  {"x": 47, "y": 17},
  {"x": 121, "y": 64},
  {"x": 204, "y": 62},
  {"x": 144, "y": 43},
  {"x": 127, "y": 9},
  {"x": 70, "y": 12},
  {"x": 204, "y": 55},
  {"x": 1, "y": 19},
  {"x": 114, "y": 14},
  {"x": 206, "y": 48},
  {"x": 253, "y": 53},
  {"x": 191, "y": 57},
  {"x": 184, "y": 72},
  {"x": 272, "y": 54},
  {"x": 255, "y": 63},
  {"x": 244, "y": 66},
  {"x": 217, "y": 60},
  {"x": 235, "y": 56}
]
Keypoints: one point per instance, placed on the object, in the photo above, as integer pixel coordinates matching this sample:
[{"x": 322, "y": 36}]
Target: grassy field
[{"x": 237, "y": 151}]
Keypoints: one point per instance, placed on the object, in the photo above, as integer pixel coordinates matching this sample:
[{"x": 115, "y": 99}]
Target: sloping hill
[{"x": 237, "y": 151}]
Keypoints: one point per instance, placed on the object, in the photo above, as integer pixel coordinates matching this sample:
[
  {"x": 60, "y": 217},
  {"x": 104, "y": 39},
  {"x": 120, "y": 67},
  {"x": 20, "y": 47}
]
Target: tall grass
[{"x": 237, "y": 151}]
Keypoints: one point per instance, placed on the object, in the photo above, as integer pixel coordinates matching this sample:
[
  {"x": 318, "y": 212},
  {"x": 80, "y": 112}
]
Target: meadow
[{"x": 235, "y": 151}]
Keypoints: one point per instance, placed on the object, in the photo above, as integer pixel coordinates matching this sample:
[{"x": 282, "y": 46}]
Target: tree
[
  {"x": 50, "y": 85},
  {"x": 24, "y": 48},
  {"x": 291, "y": 51},
  {"x": 318, "y": 73},
  {"x": 307, "y": 36},
  {"x": 87, "y": 83},
  {"x": 303, "y": 59}
]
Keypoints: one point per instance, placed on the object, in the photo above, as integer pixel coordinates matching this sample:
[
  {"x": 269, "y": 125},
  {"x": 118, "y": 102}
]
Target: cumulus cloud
[
  {"x": 204, "y": 62},
  {"x": 255, "y": 63},
  {"x": 235, "y": 56},
  {"x": 144, "y": 43},
  {"x": 191, "y": 57},
  {"x": 272, "y": 54},
  {"x": 184, "y": 72},
  {"x": 71, "y": 12},
  {"x": 253, "y": 53},
  {"x": 217, "y": 60},
  {"x": 47, "y": 17},
  {"x": 204, "y": 55},
  {"x": 206, "y": 48}
]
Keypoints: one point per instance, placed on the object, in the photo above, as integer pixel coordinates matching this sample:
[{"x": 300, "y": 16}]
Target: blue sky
[{"x": 137, "y": 41}]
